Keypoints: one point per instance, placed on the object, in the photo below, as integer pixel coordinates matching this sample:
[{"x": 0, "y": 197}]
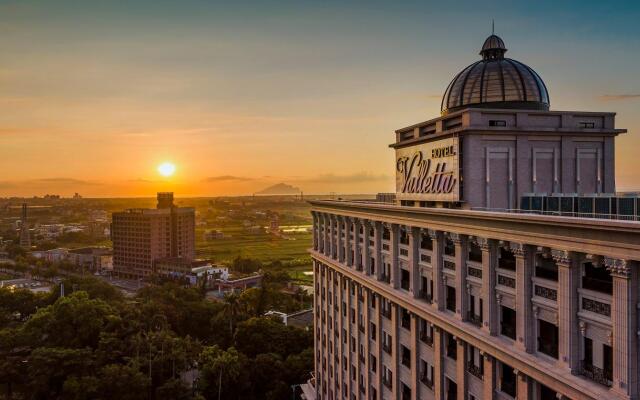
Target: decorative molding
[
  {"x": 456, "y": 238},
  {"x": 517, "y": 249},
  {"x": 617, "y": 267},
  {"x": 561, "y": 257},
  {"x": 582, "y": 325}
]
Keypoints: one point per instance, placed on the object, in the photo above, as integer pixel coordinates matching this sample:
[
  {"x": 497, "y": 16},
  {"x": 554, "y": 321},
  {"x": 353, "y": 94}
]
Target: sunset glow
[{"x": 166, "y": 169}]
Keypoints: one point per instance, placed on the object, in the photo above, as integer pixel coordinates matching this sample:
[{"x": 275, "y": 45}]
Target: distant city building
[
  {"x": 213, "y": 235},
  {"x": 53, "y": 255},
  {"x": 193, "y": 270},
  {"x": 504, "y": 269},
  {"x": 142, "y": 236},
  {"x": 301, "y": 319},
  {"x": 25, "y": 235},
  {"x": 95, "y": 259}
]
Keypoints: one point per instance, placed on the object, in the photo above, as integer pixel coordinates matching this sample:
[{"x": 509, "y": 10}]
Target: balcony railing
[
  {"x": 448, "y": 262},
  {"x": 545, "y": 292},
  {"x": 425, "y": 338},
  {"x": 474, "y": 319},
  {"x": 406, "y": 361},
  {"x": 425, "y": 379},
  {"x": 508, "y": 387},
  {"x": 425, "y": 296},
  {"x": 596, "y": 306},
  {"x": 506, "y": 281},
  {"x": 548, "y": 348},
  {"x": 387, "y": 381},
  {"x": 596, "y": 374},
  {"x": 475, "y": 370}
]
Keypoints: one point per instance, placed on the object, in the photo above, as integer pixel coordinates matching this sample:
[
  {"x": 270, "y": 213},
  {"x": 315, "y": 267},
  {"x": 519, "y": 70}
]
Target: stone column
[
  {"x": 415, "y": 365},
  {"x": 356, "y": 260},
  {"x": 378, "y": 249},
  {"x": 523, "y": 386},
  {"x": 367, "y": 333},
  {"x": 462, "y": 250},
  {"x": 348, "y": 326},
  {"x": 316, "y": 229},
  {"x": 414, "y": 260},
  {"x": 436, "y": 265},
  {"x": 624, "y": 319},
  {"x": 395, "y": 347},
  {"x": 366, "y": 257},
  {"x": 339, "y": 239},
  {"x": 489, "y": 377},
  {"x": 525, "y": 329},
  {"x": 438, "y": 365},
  {"x": 321, "y": 235},
  {"x": 568, "y": 332},
  {"x": 395, "y": 267},
  {"x": 348, "y": 247},
  {"x": 461, "y": 368},
  {"x": 332, "y": 237},
  {"x": 490, "y": 311}
]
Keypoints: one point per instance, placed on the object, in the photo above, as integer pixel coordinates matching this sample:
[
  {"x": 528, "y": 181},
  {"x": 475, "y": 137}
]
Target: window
[
  {"x": 406, "y": 356},
  {"x": 506, "y": 260},
  {"x": 373, "y": 331},
  {"x": 546, "y": 268},
  {"x": 425, "y": 242},
  {"x": 387, "y": 377},
  {"x": 449, "y": 248},
  {"x": 406, "y": 319},
  {"x": 597, "y": 278},
  {"x": 451, "y": 298},
  {"x": 452, "y": 347},
  {"x": 508, "y": 322},
  {"x": 548, "y": 338},
  {"x": 373, "y": 363},
  {"x": 497, "y": 122},
  {"x": 475, "y": 252},
  {"x": 406, "y": 392},
  {"x": 586, "y": 125},
  {"x": 508, "y": 381},
  {"x": 607, "y": 359},
  {"x": 405, "y": 279},
  {"x": 588, "y": 351},
  {"x": 386, "y": 342}
]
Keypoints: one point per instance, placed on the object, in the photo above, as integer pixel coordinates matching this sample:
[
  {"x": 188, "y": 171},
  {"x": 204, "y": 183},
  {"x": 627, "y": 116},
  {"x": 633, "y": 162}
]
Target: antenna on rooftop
[{"x": 493, "y": 27}]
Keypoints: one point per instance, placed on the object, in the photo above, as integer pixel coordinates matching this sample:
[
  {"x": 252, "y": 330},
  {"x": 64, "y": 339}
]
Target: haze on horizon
[{"x": 95, "y": 95}]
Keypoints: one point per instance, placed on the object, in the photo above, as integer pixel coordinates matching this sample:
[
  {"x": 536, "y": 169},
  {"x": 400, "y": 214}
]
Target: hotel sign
[{"x": 428, "y": 171}]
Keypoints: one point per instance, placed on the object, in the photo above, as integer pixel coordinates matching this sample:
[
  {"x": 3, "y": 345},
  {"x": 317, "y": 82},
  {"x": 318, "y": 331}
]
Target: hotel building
[
  {"x": 506, "y": 268},
  {"x": 142, "y": 236}
]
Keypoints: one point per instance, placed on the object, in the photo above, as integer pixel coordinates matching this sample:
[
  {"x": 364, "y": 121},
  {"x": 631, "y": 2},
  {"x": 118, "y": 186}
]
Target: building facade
[
  {"x": 455, "y": 293},
  {"x": 142, "y": 236}
]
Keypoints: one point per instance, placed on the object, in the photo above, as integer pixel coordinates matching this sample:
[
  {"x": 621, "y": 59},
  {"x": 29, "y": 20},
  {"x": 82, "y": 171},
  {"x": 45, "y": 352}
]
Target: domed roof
[{"x": 496, "y": 82}]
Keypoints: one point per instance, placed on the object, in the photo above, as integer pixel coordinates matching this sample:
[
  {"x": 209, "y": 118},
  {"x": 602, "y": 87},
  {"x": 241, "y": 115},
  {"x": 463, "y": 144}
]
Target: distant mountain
[{"x": 280, "y": 188}]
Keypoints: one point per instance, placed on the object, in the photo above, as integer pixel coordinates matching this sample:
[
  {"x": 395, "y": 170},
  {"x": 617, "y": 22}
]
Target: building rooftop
[{"x": 496, "y": 82}]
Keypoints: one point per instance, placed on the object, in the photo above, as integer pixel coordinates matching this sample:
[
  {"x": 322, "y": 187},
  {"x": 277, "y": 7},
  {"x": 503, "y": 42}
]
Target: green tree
[{"x": 224, "y": 372}]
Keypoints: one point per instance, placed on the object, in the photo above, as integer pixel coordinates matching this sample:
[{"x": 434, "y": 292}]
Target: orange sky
[{"x": 93, "y": 96}]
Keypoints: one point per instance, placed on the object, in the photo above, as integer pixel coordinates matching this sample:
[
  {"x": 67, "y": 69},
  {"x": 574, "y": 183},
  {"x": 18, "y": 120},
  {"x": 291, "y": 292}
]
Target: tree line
[{"x": 167, "y": 342}]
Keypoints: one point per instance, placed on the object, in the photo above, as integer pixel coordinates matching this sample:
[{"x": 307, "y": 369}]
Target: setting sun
[{"x": 166, "y": 169}]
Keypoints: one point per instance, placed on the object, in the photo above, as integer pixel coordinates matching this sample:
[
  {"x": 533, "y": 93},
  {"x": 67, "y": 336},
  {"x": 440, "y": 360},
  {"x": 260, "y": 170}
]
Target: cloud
[
  {"x": 66, "y": 181},
  {"x": 226, "y": 178},
  {"x": 359, "y": 177},
  {"x": 619, "y": 97}
]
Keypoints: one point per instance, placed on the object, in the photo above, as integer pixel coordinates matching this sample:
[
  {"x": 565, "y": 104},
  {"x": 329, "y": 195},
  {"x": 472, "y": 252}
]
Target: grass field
[{"x": 263, "y": 247}]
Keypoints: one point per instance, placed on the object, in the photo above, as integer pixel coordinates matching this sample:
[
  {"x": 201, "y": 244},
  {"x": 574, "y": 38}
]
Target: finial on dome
[{"x": 493, "y": 47}]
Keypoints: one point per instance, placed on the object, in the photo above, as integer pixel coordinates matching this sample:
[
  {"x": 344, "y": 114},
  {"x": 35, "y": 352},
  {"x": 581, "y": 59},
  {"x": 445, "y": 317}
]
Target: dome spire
[{"x": 493, "y": 46}]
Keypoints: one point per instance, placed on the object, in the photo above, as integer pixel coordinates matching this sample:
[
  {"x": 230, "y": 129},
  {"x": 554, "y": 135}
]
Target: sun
[{"x": 166, "y": 169}]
